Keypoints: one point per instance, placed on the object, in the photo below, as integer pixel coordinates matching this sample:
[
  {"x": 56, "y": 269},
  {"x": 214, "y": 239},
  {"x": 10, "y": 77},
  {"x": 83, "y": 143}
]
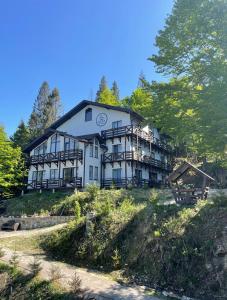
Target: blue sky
[{"x": 71, "y": 44}]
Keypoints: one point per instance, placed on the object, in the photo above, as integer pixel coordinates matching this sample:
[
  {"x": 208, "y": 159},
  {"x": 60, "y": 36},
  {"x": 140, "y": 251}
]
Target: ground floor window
[
  {"x": 96, "y": 173},
  {"x": 90, "y": 172},
  {"x": 116, "y": 173},
  {"x": 68, "y": 173},
  {"x": 53, "y": 173},
  {"x": 38, "y": 175}
]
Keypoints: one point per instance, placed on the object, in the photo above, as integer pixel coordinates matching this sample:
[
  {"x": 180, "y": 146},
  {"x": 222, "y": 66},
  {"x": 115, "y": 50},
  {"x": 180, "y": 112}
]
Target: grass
[
  {"x": 35, "y": 203},
  {"x": 27, "y": 244}
]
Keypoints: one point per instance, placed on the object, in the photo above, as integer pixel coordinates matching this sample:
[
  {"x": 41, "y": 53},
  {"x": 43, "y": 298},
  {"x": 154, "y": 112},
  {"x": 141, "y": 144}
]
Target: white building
[{"x": 101, "y": 144}]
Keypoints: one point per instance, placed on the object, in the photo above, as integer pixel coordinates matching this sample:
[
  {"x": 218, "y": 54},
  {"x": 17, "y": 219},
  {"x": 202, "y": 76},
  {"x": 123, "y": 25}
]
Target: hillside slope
[{"x": 166, "y": 246}]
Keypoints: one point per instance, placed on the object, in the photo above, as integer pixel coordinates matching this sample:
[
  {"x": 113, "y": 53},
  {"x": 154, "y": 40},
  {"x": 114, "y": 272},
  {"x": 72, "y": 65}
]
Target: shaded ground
[{"x": 93, "y": 283}]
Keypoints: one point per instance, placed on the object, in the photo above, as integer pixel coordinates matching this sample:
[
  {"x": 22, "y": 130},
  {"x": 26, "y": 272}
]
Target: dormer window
[{"x": 88, "y": 114}]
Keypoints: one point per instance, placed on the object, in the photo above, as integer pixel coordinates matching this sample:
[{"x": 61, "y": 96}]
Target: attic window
[{"x": 88, "y": 114}]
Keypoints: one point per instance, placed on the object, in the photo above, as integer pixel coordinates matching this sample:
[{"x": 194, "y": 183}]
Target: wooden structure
[{"x": 190, "y": 195}]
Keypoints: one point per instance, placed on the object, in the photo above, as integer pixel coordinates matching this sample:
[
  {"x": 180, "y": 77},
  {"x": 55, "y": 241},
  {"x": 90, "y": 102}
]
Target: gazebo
[{"x": 189, "y": 194}]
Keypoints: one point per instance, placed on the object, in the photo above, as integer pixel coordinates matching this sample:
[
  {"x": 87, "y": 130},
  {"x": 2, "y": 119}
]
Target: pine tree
[
  {"x": 46, "y": 110},
  {"x": 102, "y": 87},
  {"x": 141, "y": 80},
  {"x": 53, "y": 108},
  {"x": 38, "y": 116},
  {"x": 115, "y": 90},
  {"x": 21, "y": 137}
]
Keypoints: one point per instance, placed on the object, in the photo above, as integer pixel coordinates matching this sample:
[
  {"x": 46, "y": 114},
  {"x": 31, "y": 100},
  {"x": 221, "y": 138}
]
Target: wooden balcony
[
  {"x": 126, "y": 182},
  {"x": 55, "y": 183},
  {"x": 137, "y": 132},
  {"x": 58, "y": 156},
  {"x": 134, "y": 156}
]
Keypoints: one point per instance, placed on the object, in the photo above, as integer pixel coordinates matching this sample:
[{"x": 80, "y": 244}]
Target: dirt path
[{"x": 93, "y": 283}]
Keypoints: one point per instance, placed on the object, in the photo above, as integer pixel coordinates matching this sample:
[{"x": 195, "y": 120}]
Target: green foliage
[
  {"x": 12, "y": 168},
  {"x": 139, "y": 101},
  {"x": 21, "y": 137},
  {"x": 46, "y": 110},
  {"x": 35, "y": 266},
  {"x": 77, "y": 210},
  {"x": 192, "y": 49},
  {"x": 107, "y": 97},
  {"x": 116, "y": 258},
  {"x": 115, "y": 90}
]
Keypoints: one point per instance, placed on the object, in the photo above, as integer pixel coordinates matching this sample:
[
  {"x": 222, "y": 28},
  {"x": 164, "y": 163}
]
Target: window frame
[
  {"x": 88, "y": 114},
  {"x": 91, "y": 172},
  {"x": 116, "y": 124},
  {"x": 96, "y": 173}
]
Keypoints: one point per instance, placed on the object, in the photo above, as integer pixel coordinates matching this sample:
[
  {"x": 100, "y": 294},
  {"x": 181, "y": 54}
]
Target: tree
[
  {"x": 192, "y": 48},
  {"x": 107, "y": 97},
  {"x": 102, "y": 87},
  {"x": 53, "y": 108},
  {"x": 21, "y": 137},
  {"x": 139, "y": 101},
  {"x": 11, "y": 166},
  {"x": 46, "y": 110},
  {"x": 115, "y": 90}
]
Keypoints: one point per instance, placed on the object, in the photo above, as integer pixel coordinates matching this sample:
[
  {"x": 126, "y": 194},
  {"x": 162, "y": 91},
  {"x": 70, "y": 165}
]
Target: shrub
[
  {"x": 77, "y": 210},
  {"x": 35, "y": 266},
  {"x": 75, "y": 284}
]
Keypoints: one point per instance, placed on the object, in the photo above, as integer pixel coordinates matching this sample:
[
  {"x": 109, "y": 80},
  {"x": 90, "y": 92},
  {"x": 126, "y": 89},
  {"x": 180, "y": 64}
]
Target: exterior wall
[{"x": 78, "y": 126}]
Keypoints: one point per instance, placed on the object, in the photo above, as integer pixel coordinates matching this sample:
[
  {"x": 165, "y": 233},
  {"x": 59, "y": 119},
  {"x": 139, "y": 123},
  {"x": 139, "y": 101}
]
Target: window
[
  {"x": 90, "y": 172},
  {"x": 88, "y": 114},
  {"x": 96, "y": 148},
  {"x": 96, "y": 174},
  {"x": 41, "y": 149},
  {"x": 117, "y": 148},
  {"x": 38, "y": 175},
  {"x": 138, "y": 174},
  {"x": 70, "y": 144},
  {"x": 117, "y": 124},
  {"x": 91, "y": 150},
  {"x": 55, "y": 143},
  {"x": 68, "y": 173},
  {"x": 116, "y": 173},
  {"x": 53, "y": 173}
]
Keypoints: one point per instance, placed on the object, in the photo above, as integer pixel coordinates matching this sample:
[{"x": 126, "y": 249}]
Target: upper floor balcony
[
  {"x": 135, "y": 131},
  {"x": 56, "y": 156},
  {"x": 135, "y": 156}
]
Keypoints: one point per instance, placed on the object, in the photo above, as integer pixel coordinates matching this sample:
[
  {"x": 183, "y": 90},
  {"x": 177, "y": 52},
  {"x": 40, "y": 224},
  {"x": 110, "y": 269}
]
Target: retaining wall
[{"x": 37, "y": 222}]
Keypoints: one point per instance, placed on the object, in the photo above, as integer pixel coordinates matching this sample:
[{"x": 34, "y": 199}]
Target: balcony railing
[
  {"x": 126, "y": 182},
  {"x": 58, "y": 156},
  {"x": 55, "y": 183},
  {"x": 130, "y": 129},
  {"x": 133, "y": 155}
]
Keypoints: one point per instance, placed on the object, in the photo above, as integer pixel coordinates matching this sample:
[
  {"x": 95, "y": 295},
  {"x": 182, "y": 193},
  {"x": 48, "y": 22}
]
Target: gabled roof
[
  {"x": 183, "y": 168},
  {"x": 52, "y": 129}
]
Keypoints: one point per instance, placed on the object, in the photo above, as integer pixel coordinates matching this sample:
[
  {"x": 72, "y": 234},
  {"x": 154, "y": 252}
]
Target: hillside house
[{"x": 98, "y": 144}]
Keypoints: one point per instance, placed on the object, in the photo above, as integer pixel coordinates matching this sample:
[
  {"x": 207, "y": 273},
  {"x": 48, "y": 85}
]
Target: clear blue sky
[{"x": 71, "y": 44}]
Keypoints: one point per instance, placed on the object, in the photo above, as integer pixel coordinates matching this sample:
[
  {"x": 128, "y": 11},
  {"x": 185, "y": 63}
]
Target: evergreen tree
[
  {"x": 11, "y": 166},
  {"x": 115, "y": 90},
  {"x": 107, "y": 97},
  {"x": 141, "y": 81},
  {"x": 39, "y": 113},
  {"x": 102, "y": 86},
  {"x": 53, "y": 108},
  {"x": 46, "y": 110},
  {"x": 21, "y": 137}
]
